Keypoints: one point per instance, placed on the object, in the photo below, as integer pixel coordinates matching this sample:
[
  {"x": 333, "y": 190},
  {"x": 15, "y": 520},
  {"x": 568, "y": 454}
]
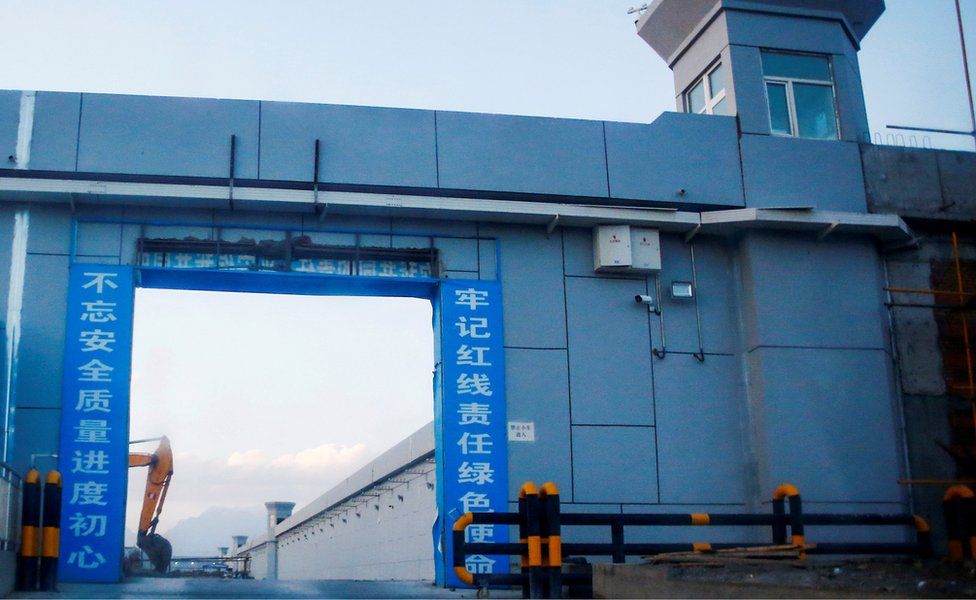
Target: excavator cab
[{"x": 160, "y": 464}]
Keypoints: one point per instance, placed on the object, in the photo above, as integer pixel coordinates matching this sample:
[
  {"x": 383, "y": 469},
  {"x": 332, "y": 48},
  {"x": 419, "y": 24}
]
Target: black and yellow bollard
[
  {"x": 30, "y": 532},
  {"x": 957, "y": 505},
  {"x": 51, "y": 531}
]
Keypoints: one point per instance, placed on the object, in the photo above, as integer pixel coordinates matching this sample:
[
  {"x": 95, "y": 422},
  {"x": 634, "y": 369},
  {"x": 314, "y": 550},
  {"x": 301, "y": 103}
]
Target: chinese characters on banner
[
  {"x": 475, "y": 469},
  {"x": 94, "y": 421}
]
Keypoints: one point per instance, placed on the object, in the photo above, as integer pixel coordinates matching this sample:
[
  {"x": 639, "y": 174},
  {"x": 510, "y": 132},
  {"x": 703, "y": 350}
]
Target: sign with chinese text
[
  {"x": 521, "y": 431},
  {"x": 473, "y": 416},
  {"x": 94, "y": 453}
]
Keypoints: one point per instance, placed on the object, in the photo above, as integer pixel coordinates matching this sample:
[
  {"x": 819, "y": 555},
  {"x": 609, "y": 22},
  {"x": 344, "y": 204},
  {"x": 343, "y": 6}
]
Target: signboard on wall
[
  {"x": 473, "y": 421},
  {"x": 94, "y": 453}
]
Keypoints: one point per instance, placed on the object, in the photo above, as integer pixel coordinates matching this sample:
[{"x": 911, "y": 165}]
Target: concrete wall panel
[
  {"x": 358, "y": 144},
  {"x": 830, "y": 423},
  {"x": 521, "y": 154},
  {"x": 167, "y": 136},
  {"x": 750, "y": 100},
  {"x": 701, "y": 439},
  {"x": 614, "y": 464},
  {"x": 901, "y": 180},
  {"x": 537, "y": 390},
  {"x": 532, "y": 286},
  {"x": 695, "y": 153},
  {"x": 42, "y": 339},
  {"x": 715, "y": 296},
  {"x": 788, "y": 172},
  {"x": 54, "y": 143},
  {"x": 36, "y": 431},
  {"x": 9, "y": 122},
  {"x": 764, "y": 30},
  {"x": 609, "y": 358},
  {"x": 836, "y": 303}
]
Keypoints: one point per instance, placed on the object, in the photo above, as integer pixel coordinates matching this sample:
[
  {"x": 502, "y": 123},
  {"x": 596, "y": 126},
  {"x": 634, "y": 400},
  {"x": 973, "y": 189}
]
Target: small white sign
[{"x": 521, "y": 431}]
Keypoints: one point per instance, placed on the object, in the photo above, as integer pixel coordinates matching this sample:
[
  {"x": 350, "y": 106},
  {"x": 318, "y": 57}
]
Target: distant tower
[
  {"x": 277, "y": 512},
  {"x": 785, "y": 67},
  {"x": 222, "y": 551},
  {"x": 239, "y": 540}
]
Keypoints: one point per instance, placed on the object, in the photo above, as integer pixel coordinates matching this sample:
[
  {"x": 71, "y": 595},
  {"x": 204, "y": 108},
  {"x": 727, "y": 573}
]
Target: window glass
[
  {"x": 779, "y": 110},
  {"x": 795, "y": 66},
  {"x": 716, "y": 81},
  {"x": 696, "y": 97},
  {"x": 720, "y": 108},
  {"x": 814, "y": 111}
]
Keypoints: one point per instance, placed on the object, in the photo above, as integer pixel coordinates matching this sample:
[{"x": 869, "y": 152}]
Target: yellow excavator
[{"x": 160, "y": 464}]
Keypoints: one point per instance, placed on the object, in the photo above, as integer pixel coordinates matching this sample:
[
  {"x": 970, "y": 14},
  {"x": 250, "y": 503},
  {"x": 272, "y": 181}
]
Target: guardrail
[{"x": 542, "y": 548}]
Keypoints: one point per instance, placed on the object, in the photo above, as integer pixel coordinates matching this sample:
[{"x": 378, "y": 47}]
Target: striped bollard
[
  {"x": 51, "y": 531},
  {"x": 30, "y": 532}
]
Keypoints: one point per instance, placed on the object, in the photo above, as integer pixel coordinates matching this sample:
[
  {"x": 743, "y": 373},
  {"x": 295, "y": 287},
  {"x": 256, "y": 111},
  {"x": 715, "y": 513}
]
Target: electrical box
[
  {"x": 645, "y": 249},
  {"x": 611, "y": 247}
]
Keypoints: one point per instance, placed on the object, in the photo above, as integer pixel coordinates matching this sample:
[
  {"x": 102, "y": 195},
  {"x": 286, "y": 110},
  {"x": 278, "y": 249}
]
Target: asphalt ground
[{"x": 200, "y": 587}]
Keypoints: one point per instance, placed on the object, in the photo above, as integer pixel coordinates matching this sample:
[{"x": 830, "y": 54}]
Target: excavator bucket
[{"x": 158, "y": 549}]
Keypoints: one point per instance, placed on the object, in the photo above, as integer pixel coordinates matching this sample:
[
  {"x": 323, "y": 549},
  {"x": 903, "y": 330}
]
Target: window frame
[
  {"x": 710, "y": 101},
  {"x": 788, "y": 82}
]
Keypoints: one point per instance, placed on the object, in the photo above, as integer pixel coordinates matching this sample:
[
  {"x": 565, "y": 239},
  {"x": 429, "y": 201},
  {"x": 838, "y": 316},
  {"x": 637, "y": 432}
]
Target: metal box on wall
[
  {"x": 645, "y": 249},
  {"x": 611, "y": 247}
]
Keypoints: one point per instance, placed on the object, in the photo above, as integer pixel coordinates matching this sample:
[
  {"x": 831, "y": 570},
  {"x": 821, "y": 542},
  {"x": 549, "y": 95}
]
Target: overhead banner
[
  {"x": 472, "y": 414},
  {"x": 94, "y": 453}
]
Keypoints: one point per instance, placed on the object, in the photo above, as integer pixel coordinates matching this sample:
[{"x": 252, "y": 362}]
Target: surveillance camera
[{"x": 649, "y": 301}]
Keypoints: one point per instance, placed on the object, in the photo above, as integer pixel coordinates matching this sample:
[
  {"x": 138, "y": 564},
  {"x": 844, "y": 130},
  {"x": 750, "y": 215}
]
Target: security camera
[{"x": 648, "y": 300}]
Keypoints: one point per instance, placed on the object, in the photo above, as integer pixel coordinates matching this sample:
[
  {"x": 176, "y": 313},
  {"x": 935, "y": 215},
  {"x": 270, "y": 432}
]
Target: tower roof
[{"x": 668, "y": 25}]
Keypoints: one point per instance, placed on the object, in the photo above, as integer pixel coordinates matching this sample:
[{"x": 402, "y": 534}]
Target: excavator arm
[{"x": 160, "y": 464}]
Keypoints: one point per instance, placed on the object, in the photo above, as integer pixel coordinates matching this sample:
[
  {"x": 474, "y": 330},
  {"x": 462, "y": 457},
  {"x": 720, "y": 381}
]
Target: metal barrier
[
  {"x": 10, "y": 491},
  {"x": 542, "y": 548},
  {"x": 959, "y": 507}
]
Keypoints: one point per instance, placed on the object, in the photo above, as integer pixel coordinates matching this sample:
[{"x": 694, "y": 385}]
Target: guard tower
[{"x": 784, "y": 67}]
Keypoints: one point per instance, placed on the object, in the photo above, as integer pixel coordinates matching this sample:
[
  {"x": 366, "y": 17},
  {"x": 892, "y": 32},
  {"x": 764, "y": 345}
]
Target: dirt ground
[{"x": 862, "y": 578}]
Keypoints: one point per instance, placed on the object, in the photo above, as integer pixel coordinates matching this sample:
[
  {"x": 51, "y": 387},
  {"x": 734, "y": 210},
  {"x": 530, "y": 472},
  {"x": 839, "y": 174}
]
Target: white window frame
[
  {"x": 710, "y": 101},
  {"x": 791, "y": 99}
]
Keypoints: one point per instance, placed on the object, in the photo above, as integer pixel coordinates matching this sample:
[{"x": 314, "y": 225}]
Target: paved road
[{"x": 149, "y": 587}]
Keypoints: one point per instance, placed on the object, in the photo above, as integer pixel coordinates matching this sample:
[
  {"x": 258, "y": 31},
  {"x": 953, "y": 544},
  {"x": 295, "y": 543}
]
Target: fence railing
[
  {"x": 10, "y": 500},
  {"x": 541, "y": 546}
]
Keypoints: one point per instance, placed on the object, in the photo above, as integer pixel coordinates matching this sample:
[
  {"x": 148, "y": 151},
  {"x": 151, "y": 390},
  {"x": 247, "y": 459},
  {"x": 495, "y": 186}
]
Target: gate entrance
[
  {"x": 267, "y": 397},
  {"x": 469, "y": 388}
]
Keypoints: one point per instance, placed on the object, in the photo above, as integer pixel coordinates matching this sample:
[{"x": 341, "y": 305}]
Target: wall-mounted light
[{"x": 682, "y": 290}]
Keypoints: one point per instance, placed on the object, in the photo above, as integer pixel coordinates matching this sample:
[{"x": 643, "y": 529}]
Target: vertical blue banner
[
  {"x": 94, "y": 455},
  {"x": 473, "y": 423}
]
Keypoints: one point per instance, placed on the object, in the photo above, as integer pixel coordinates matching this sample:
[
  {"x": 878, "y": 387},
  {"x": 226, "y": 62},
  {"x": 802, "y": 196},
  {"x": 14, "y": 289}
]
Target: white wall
[{"x": 394, "y": 541}]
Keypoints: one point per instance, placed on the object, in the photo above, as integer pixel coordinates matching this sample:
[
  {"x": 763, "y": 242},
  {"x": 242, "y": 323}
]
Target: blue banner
[
  {"x": 94, "y": 455},
  {"x": 474, "y": 447}
]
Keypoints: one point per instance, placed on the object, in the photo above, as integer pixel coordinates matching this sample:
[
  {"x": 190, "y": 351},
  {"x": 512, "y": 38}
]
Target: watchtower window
[
  {"x": 707, "y": 95},
  {"x": 800, "y": 95}
]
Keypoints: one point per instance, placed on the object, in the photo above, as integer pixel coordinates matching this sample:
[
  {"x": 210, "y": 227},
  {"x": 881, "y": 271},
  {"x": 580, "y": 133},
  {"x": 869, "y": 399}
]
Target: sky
[{"x": 567, "y": 58}]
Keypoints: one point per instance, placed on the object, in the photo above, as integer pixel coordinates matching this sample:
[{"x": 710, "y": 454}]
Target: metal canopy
[{"x": 887, "y": 228}]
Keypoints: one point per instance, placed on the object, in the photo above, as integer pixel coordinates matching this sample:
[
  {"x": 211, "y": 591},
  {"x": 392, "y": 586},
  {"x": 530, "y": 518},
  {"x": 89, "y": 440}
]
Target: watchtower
[{"x": 785, "y": 67}]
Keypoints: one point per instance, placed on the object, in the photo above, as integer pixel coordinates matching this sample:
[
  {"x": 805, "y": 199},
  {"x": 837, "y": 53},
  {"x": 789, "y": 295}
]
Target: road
[{"x": 158, "y": 587}]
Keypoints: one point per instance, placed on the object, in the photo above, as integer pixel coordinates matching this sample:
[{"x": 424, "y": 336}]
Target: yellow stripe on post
[
  {"x": 702, "y": 547},
  {"x": 52, "y": 542},
  {"x": 700, "y": 519},
  {"x": 29, "y": 543}
]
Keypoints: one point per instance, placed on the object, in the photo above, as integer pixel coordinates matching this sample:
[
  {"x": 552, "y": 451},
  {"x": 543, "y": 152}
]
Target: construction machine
[{"x": 160, "y": 464}]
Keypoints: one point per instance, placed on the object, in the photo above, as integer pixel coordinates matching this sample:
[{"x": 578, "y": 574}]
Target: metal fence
[{"x": 10, "y": 499}]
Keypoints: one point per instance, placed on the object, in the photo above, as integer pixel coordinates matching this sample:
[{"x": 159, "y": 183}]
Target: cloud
[
  {"x": 248, "y": 458},
  {"x": 324, "y": 457}
]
